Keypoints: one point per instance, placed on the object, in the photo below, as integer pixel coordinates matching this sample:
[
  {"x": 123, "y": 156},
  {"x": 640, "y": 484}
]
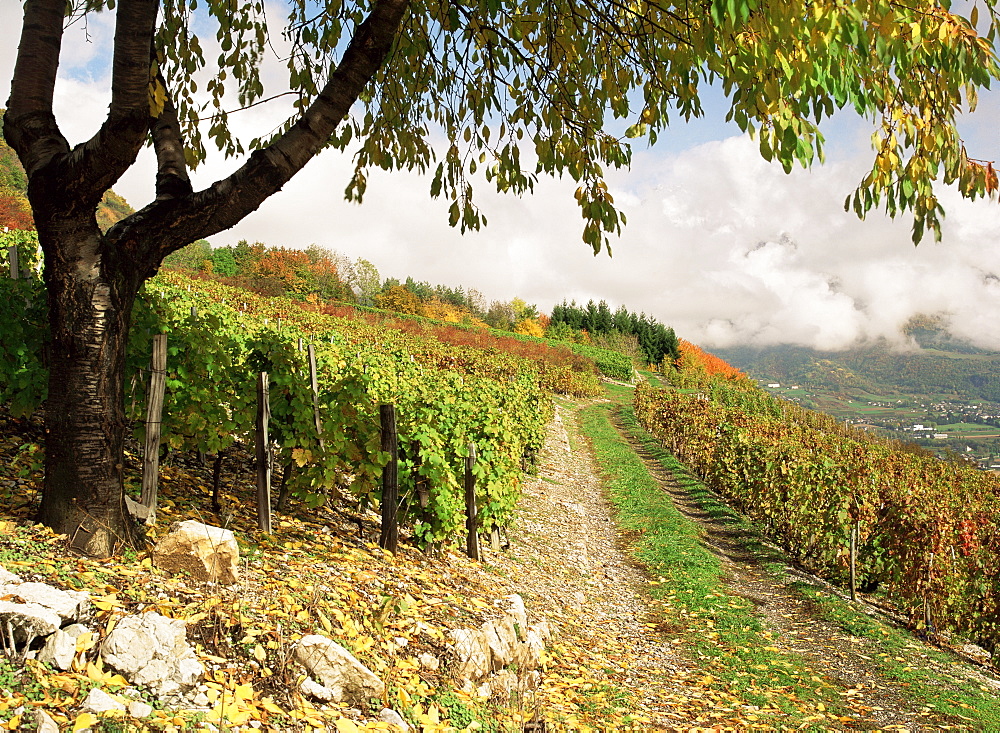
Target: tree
[
  {"x": 489, "y": 77},
  {"x": 400, "y": 299}
]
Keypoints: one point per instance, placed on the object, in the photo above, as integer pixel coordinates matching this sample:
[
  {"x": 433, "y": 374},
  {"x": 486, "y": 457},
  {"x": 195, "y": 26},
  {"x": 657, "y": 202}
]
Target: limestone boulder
[
  {"x": 473, "y": 658},
  {"x": 152, "y": 650},
  {"x": 7, "y": 577},
  {"x": 28, "y": 621},
  {"x": 206, "y": 552},
  {"x": 60, "y": 648},
  {"x": 335, "y": 669}
]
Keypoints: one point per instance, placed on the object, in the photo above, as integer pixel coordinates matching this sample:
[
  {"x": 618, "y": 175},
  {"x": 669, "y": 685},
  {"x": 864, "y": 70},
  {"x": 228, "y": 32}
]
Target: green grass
[
  {"x": 693, "y": 602},
  {"x": 905, "y": 661}
]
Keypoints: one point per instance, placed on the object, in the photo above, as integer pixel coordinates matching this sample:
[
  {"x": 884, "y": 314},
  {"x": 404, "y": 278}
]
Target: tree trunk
[{"x": 89, "y": 310}]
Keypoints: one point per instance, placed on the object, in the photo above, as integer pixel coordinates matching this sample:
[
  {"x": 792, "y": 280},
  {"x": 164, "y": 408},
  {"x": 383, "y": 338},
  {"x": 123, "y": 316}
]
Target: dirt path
[{"x": 573, "y": 566}]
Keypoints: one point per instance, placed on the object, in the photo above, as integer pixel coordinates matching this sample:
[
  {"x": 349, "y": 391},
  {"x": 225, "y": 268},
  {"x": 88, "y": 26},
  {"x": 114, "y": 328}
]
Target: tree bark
[{"x": 89, "y": 311}]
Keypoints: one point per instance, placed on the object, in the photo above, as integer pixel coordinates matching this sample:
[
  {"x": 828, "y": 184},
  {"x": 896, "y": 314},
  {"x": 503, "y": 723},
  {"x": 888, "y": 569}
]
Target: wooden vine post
[
  {"x": 854, "y": 560},
  {"x": 389, "y": 538},
  {"x": 263, "y": 454},
  {"x": 314, "y": 384},
  {"x": 471, "y": 520},
  {"x": 154, "y": 413},
  {"x": 12, "y": 259}
]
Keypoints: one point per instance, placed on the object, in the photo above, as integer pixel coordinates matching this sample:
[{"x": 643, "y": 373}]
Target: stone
[
  {"x": 153, "y": 651},
  {"x": 60, "y": 649},
  {"x": 473, "y": 658},
  {"x": 7, "y": 577},
  {"x": 528, "y": 654},
  {"x": 312, "y": 688},
  {"x": 338, "y": 670},
  {"x": 517, "y": 610},
  {"x": 140, "y": 512},
  {"x": 69, "y": 605},
  {"x": 44, "y": 722},
  {"x": 428, "y": 661},
  {"x": 206, "y": 552},
  {"x": 501, "y": 640},
  {"x": 28, "y": 621},
  {"x": 98, "y": 701},
  {"x": 390, "y": 716},
  {"x": 139, "y": 709}
]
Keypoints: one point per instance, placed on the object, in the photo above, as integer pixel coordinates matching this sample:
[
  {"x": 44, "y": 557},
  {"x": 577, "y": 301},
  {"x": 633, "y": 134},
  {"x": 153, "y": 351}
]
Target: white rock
[
  {"x": 7, "y": 577},
  {"x": 60, "y": 649},
  {"x": 428, "y": 662},
  {"x": 400, "y": 641},
  {"x": 472, "y": 654},
  {"x": 501, "y": 640},
  {"x": 390, "y": 716},
  {"x": 152, "y": 650},
  {"x": 44, "y": 722},
  {"x": 314, "y": 689},
  {"x": 69, "y": 605},
  {"x": 98, "y": 701},
  {"x": 206, "y": 552},
  {"x": 139, "y": 709},
  {"x": 337, "y": 669},
  {"x": 518, "y": 611},
  {"x": 28, "y": 620}
]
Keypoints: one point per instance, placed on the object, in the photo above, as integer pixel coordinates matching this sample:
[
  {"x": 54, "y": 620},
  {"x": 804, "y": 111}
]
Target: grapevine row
[
  {"x": 219, "y": 338},
  {"x": 929, "y": 530}
]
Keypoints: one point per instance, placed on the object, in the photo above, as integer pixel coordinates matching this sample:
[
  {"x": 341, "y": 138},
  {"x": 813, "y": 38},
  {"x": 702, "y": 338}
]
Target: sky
[{"x": 721, "y": 245}]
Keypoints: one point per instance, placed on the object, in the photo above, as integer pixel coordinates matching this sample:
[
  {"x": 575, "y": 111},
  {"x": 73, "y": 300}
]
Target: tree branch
[
  {"x": 29, "y": 125},
  {"x": 105, "y": 157},
  {"x": 179, "y": 221},
  {"x": 172, "y": 179}
]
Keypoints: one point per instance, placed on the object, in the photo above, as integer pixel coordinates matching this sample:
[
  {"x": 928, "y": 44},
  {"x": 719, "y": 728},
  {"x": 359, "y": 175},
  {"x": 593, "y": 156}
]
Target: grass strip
[
  {"x": 693, "y": 603},
  {"x": 920, "y": 670}
]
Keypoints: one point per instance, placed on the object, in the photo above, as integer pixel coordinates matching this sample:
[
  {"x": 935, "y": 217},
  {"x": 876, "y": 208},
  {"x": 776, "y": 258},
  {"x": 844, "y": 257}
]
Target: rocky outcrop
[
  {"x": 507, "y": 647},
  {"x": 206, "y": 552},
  {"x": 152, "y": 650},
  {"x": 32, "y": 610},
  {"x": 337, "y": 675}
]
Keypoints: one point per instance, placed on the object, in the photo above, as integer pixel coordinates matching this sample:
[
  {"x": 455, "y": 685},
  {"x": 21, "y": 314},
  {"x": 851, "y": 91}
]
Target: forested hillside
[{"x": 876, "y": 368}]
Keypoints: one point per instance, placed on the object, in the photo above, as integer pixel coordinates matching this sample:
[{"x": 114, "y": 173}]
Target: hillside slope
[
  {"x": 877, "y": 369},
  {"x": 670, "y": 620}
]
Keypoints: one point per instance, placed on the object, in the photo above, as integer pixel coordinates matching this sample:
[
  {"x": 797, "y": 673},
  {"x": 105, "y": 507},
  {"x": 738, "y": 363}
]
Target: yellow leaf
[
  {"x": 94, "y": 673},
  {"x": 84, "y": 642},
  {"x": 106, "y": 603},
  {"x": 325, "y": 622},
  {"x": 84, "y": 720},
  {"x": 15, "y": 723},
  {"x": 259, "y": 654},
  {"x": 344, "y": 725},
  {"x": 243, "y": 692}
]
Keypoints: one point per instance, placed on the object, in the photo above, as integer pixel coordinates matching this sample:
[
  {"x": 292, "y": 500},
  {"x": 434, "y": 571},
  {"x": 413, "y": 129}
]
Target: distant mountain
[
  {"x": 939, "y": 366},
  {"x": 14, "y": 209}
]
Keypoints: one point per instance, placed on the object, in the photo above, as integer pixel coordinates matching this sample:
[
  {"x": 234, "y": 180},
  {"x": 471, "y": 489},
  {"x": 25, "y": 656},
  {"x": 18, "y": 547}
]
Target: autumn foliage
[
  {"x": 695, "y": 359},
  {"x": 15, "y": 212}
]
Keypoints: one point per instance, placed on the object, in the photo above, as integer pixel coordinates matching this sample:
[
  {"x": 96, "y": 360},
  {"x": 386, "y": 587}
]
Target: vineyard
[
  {"x": 450, "y": 388},
  {"x": 925, "y": 531}
]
